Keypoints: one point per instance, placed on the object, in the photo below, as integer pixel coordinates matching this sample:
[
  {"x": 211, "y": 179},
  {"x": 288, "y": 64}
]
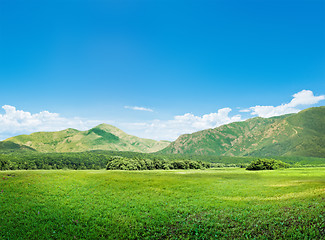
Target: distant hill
[
  {"x": 102, "y": 137},
  {"x": 301, "y": 134}
]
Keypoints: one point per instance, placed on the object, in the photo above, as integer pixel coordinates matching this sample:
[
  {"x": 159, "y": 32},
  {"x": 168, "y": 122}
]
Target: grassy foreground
[{"x": 196, "y": 204}]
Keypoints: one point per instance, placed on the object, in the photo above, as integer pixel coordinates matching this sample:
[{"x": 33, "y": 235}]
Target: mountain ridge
[
  {"x": 101, "y": 137},
  {"x": 301, "y": 134}
]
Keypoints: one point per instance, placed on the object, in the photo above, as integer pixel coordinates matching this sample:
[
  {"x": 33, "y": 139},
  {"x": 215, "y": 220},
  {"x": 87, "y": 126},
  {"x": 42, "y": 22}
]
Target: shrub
[
  {"x": 266, "y": 164},
  {"x": 122, "y": 163}
]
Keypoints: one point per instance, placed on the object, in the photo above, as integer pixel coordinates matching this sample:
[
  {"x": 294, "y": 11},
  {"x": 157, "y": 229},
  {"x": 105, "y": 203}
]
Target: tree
[{"x": 266, "y": 164}]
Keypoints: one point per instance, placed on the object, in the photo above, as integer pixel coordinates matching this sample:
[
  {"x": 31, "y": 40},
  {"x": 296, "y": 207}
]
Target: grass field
[{"x": 195, "y": 204}]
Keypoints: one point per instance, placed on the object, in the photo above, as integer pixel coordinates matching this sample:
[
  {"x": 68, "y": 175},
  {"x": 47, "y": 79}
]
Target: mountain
[
  {"x": 8, "y": 146},
  {"x": 301, "y": 134},
  {"x": 102, "y": 137}
]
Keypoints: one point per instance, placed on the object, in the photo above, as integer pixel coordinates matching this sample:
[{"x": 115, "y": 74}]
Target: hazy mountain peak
[
  {"x": 106, "y": 126},
  {"x": 101, "y": 137}
]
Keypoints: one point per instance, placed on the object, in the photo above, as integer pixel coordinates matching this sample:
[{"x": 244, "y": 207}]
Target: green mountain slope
[
  {"x": 8, "y": 146},
  {"x": 301, "y": 134},
  {"x": 102, "y": 137}
]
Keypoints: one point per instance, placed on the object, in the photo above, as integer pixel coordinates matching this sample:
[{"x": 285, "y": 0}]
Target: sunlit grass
[{"x": 202, "y": 204}]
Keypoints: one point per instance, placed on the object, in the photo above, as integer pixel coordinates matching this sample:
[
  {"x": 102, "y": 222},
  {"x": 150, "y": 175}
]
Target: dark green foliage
[
  {"x": 123, "y": 163},
  {"x": 266, "y": 164},
  {"x": 106, "y": 136},
  {"x": 13, "y": 147},
  {"x": 298, "y": 161},
  {"x": 34, "y": 160},
  {"x": 5, "y": 164},
  {"x": 98, "y": 160}
]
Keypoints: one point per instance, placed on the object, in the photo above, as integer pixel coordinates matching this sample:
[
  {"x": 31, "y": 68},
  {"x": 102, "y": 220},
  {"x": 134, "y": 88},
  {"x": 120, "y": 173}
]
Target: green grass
[{"x": 195, "y": 204}]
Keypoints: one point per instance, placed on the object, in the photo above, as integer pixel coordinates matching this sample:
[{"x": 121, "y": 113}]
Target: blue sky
[{"x": 95, "y": 61}]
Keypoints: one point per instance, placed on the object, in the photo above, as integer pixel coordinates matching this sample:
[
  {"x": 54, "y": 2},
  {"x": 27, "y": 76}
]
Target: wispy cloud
[
  {"x": 139, "y": 108},
  {"x": 245, "y": 110}
]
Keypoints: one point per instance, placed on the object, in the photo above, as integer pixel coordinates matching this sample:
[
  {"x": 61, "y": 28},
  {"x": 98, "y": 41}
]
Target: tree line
[
  {"x": 30, "y": 161},
  {"x": 123, "y": 163},
  {"x": 93, "y": 160},
  {"x": 13, "y": 160}
]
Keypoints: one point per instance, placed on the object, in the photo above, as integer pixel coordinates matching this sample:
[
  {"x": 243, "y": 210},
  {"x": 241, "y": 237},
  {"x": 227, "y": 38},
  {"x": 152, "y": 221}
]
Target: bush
[
  {"x": 266, "y": 164},
  {"x": 122, "y": 163}
]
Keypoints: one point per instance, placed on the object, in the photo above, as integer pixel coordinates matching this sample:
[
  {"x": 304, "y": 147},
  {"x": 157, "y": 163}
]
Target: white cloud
[
  {"x": 189, "y": 123},
  {"x": 271, "y": 111},
  {"x": 305, "y": 97},
  {"x": 302, "y": 98},
  {"x": 181, "y": 124},
  {"x": 245, "y": 110},
  {"x": 14, "y": 122},
  {"x": 139, "y": 108}
]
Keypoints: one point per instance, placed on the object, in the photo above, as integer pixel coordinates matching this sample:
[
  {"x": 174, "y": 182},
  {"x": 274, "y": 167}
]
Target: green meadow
[{"x": 219, "y": 203}]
